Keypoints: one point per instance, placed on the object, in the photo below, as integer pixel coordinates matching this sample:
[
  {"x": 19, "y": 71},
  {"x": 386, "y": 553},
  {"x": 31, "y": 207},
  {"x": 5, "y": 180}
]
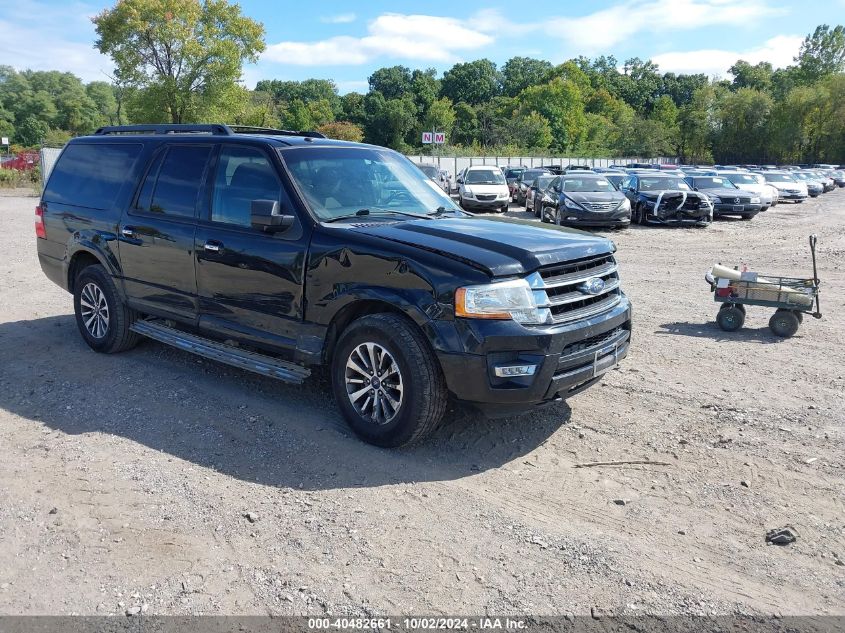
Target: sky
[{"x": 346, "y": 41}]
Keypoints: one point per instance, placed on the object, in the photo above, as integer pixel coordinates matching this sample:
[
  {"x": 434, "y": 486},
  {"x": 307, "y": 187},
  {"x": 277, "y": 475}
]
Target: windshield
[
  {"x": 663, "y": 184},
  {"x": 714, "y": 182},
  {"x": 744, "y": 179},
  {"x": 778, "y": 178},
  {"x": 429, "y": 170},
  {"x": 616, "y": 179},
  {"x": 587, "y": 184},
  {"x": 484, "y": 177},
  {"x": 541, "y": 182},
  {"x": 340, "y": 181},
  {"x": 530, "y": 175},
  {"x": 513, "y": 173}
]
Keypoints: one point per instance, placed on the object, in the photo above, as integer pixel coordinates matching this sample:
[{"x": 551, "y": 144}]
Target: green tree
[
  {"x": 31, "y": 131},
  {"x": 440, "y": 117},
  {"x": 352, "y": 108},
  {"x": 393, "y": 82},
  {"x": 342, "y": 130},
  {"x": 757, "y": 76},
  {"x": 465, "y": 130},
  {"x": 101, "y": 94},
  {"x": 473, "y": 82},
  {"x": 742, "y": 120},
  {"x": 520, "y": 72},
  {"x": 562, "y": 104},
  {"x": 822, "y": 53},
  {"x": 694, "y": 126},
  {"x": 389, "y": 121},
  {"x": 185, "y": 54}
]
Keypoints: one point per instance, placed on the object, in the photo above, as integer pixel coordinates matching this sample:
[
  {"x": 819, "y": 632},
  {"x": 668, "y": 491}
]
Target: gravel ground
[{"x": 158, "y": 482}]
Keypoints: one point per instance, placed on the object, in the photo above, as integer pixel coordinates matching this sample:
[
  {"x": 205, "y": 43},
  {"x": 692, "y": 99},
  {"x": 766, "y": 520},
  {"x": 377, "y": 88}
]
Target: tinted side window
[
  {"x": 243, "y": 174},
  {"x": 177, "y": 175},
  {"x": 91, "y": 175}
]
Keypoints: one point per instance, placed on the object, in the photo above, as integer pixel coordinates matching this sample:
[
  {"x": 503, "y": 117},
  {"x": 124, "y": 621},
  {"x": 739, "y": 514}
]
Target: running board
[{"x": 251, "y": 361}]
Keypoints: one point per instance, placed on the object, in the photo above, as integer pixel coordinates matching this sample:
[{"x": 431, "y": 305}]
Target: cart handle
[{"x": 813, "y": 241}]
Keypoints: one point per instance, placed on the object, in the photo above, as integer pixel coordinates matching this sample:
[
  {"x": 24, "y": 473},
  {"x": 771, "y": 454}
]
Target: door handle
[
  {"x": 213, "y": 246},
  {"x": 127, "y": 231}
]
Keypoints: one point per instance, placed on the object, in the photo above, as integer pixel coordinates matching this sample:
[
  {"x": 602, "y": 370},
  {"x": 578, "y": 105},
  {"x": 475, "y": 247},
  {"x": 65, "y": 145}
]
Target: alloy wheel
[
  {"x": 95, "y": 310},
  {"x": 374, "y": 383}
]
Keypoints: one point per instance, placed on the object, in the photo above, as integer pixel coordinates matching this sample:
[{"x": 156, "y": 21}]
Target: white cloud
[
  {"x": 340, "y": 18},
  {"x": 393, "y": 35},
  {"x": 778, "y": 51},
  {"x": 47, "y": 48},
  {"x": 598, "y": 31}
]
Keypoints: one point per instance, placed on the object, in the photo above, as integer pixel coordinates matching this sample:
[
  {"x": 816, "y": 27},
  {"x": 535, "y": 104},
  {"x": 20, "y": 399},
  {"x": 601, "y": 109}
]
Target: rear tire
[
  {"x": 730, "y": 319},
  {"x": 405, "y": 360},
  {"x": 784, "y": 323},
  {"x": 101, "y": 316}
]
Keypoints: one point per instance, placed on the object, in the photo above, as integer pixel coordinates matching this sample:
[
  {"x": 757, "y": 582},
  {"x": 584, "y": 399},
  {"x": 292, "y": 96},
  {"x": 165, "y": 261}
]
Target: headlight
[
  {"x": 625, "y": 205},
  {"x": 502, "y": 300},
  {"x": 569, "y": 204},
  {"x": 468, "y": 192},
  {"x": 755, "y": 200},
  {"x": 715, "y": 199},
  {"x": 502, "y": 196}
]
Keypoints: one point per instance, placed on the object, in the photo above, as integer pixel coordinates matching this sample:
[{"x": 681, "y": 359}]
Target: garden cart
[{"x": 792, "y": 297}]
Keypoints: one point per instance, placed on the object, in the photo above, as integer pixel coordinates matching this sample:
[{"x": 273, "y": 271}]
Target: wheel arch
[
  {"x": 363, "y": 306},
  {"x": 79, "y": 261}
]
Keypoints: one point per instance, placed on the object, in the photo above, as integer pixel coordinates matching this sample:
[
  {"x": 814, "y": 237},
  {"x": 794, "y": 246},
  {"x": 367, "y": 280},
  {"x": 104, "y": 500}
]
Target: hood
[
  {"x": 486, "y": 189},
  {"x": 652, "y": 195},
  {"x": 724, "y": 192},
  {"x": 595, "y": 196},
  {"x": 499, "y": 246}
]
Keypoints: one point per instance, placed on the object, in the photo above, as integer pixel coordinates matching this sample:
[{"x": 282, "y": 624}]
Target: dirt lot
[{"x": 125, "y": 480}]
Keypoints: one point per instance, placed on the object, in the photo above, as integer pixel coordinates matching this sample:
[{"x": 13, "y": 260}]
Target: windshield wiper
[{"x": 362, "y": 212}]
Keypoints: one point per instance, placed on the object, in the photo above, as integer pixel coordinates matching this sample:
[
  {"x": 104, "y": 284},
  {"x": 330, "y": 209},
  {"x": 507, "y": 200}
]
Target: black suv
[{"x": 277, "y": 251}]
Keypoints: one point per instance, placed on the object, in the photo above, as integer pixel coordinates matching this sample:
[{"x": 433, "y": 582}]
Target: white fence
[
  {"x": 49, "y": 155},
  {"x": 453, "y": 164}
]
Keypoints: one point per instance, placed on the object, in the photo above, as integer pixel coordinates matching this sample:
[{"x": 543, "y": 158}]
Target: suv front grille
[
  {"x": 565, "y": 296},
  {"x": 600, "y": 206}
]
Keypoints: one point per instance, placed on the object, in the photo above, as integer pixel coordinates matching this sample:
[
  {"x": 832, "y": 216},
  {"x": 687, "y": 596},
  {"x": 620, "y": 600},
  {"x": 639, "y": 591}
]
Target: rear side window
[
  {"x": 174, "y": 180},
  {"x": 91, "y": 175},
  {"x": 244, "y": 174}
]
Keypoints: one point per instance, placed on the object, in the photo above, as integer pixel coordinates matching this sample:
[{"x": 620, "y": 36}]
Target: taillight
[{"x": 40, "y": 230}]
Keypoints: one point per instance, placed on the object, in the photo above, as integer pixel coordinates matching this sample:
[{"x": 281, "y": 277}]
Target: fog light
[
  {"x": 508, "y": 371},
  {"x": 572, "y": 217}
]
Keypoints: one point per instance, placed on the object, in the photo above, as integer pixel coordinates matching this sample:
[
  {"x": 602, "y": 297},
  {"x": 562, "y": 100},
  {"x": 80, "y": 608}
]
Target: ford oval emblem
[{"x": 593, "y": 286}]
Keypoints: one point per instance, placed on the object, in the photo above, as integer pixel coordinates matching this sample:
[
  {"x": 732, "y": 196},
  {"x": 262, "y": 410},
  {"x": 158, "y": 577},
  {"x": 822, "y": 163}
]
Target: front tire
[
  {"x": 387, "y": 382},
  {"x": 784, "y": 323},
  {"x": 730, "y": 319},
  {"x": 101, "y": 316}
]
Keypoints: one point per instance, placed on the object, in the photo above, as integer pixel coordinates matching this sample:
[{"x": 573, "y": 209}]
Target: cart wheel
[
  {"x": 738, "y": 306},
  {"x": 730, "y": 318},
  {"x": 784, "y": 323}
]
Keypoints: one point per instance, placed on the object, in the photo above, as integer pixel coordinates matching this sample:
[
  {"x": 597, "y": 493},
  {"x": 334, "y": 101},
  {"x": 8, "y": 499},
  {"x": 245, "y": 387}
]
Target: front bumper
[
  {"x": 785, "y": 195},
  {"x": 568, "y": 358},
  {"x": 573, "y": 217},
  {"x": 725, "y": 208},
  {"x": 702, "y": 216},
  {"x": 472, "y": 203}
]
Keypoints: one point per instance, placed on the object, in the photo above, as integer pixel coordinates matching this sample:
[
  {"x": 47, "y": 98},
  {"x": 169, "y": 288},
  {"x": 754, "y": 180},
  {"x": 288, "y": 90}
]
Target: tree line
[{"x": 184, "y": 66}]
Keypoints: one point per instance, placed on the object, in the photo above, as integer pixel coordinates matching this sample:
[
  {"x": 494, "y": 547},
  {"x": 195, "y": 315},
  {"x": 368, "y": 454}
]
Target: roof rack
[
  {"x": 200, "y": 128},
  {"x": 167, "y": 128},
  {"x": 250, "y": 129}
]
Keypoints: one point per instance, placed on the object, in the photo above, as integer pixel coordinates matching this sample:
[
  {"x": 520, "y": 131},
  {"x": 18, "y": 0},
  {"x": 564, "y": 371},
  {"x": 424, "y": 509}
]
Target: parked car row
[{"x": 616, "y": 196}]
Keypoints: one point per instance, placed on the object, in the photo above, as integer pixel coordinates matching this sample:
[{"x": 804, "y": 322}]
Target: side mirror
[
  {"x": 460, "y": 181},
  {"x": 265, "y": 215}
]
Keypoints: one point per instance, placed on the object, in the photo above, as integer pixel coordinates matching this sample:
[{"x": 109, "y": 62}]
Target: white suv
[{"x": 483, "y": 188}]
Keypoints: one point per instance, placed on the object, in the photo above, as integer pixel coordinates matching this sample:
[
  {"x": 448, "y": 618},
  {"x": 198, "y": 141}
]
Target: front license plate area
[{"x": 605, "y": 359}]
